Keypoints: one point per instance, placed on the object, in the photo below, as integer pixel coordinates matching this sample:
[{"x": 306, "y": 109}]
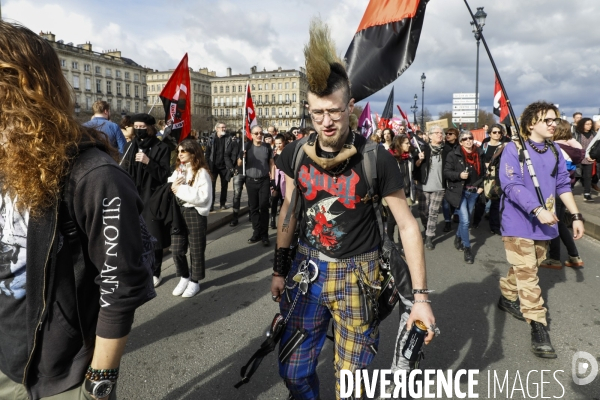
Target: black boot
[
  {"x": 540, "y": 341},
  {"x": 511, "y": 307},
  {"x": 468, "y": 255},
  {"x": 273, "y": 223},
  {"x": 458, "y": 243},
  {"x": 234, "y": 219},
  {"x": 429, "y": 243},
  {"x": 447, "y": 226}
]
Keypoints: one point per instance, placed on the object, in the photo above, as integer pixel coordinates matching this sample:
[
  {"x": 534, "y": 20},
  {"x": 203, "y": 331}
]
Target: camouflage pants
[{"x": 525, "y": 256}]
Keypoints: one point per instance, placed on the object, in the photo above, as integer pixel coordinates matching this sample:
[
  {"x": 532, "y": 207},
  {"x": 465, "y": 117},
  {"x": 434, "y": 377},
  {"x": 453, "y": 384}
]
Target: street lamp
[
  {"x": 423, "y": 77},
  {"x": 477, "y": 28},
  {"x": 414, "y": 109}
]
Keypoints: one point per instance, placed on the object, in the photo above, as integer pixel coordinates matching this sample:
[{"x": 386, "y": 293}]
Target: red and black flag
[
  {"x": 388, "y": 111},
  {"x": 175, "y": 97},
  {"x": 249, "y": 113},
  {"x": 384, "y": 45},
  {"x": 500, "y": 106}
]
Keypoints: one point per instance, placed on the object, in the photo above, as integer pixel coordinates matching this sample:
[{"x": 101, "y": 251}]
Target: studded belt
[{"x": 364, "y": 257}]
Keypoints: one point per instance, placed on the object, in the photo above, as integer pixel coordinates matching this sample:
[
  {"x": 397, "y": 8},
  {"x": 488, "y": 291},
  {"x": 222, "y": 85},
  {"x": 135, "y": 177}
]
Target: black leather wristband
[{"x": 282, "y": 261}]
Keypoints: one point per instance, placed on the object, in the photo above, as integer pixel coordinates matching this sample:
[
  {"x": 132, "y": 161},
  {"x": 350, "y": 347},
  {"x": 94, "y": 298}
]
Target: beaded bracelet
[
  {"x": 422, "y": 291},
  {"x": 539, "y": 210},
  {"x": 421, "y": 301},
  {"x": 102, "y": 374}
]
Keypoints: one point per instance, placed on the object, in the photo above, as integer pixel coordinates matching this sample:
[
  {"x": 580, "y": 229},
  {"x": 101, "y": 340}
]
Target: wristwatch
[{"x": 99, "y": 389}]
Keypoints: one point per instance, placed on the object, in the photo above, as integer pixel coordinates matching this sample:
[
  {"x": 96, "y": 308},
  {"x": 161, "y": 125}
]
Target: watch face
[{"x": 102, "y": 389}]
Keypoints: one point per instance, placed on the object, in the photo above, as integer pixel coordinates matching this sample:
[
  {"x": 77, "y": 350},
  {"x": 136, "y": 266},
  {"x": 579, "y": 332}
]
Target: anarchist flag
[
  {"x": 500, "y": 106},
  {"x": 388, "y": 111},
  {"x": 175, "y": 97},
  {"x": 365, "y": 125},
  {"x": 384, "y": 45},
  {"x": 410, "y": 128},
  {"x": 250, "y": 115}
]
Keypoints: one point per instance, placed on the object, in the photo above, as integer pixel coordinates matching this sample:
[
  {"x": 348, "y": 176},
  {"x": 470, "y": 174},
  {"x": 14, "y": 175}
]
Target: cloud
[{"x": 544, "y": 49}]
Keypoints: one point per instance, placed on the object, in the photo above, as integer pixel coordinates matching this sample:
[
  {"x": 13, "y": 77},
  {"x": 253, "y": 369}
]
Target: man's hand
[
  {"x": 277, "y": 287},
  {"x": 141, "y": 157},
  {"x": 480, "y": 190},
  {"x": 578, "y": 230},
  {"x": 464, "y": 175},
  {"x": 422, "y": 312}
]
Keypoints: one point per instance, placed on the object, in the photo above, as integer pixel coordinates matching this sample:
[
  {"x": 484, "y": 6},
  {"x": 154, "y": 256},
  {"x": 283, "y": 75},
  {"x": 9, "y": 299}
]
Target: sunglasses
[
  {"x": 466, "y": 138},
  {"x": 496, "y": 132},
  {"x": 258, "y": 133},
  {"x": 182, "y": 151}
]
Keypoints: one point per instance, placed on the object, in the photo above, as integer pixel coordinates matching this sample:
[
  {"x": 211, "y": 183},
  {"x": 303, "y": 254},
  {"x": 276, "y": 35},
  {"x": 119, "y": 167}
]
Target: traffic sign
[
  {"x": 464, "y": 107},
  {"x": 463, "y": 119},
  {"x": 463, "y": 113},
  {"x": 463, "y": 95},
  {"x": 463, "y": 101}
]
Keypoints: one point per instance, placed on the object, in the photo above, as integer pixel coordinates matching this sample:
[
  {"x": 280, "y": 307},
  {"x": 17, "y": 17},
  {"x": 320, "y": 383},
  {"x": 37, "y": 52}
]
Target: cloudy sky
[{"x": 544, "y": 49}]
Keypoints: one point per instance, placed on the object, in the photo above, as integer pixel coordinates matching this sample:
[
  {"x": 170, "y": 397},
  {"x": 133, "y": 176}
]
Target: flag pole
[
  {"x": 528, "y": 162},
  {"x": 151, "y": 108},
  {"x": 244, "y": 128}
]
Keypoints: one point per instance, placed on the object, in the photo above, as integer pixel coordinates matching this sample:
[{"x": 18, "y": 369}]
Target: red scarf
[
  {"x": 405, "y": 156},
  {"x": 472, "y": 159}
]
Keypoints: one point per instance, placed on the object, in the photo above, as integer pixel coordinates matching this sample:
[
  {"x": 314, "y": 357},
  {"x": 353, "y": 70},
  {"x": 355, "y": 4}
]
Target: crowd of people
[{"x": 88, "y": 209}]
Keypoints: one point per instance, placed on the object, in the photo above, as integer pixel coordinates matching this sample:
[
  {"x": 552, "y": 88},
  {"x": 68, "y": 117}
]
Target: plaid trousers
[
  {"x": 333, "y": 295},
  {"x": 195, "y": 239},
  {"x": 429, "y": 208}
]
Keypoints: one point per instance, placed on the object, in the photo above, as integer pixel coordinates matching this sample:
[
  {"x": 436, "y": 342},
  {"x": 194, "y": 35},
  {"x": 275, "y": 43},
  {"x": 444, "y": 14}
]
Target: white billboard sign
[{"x": 463, "y": 113}]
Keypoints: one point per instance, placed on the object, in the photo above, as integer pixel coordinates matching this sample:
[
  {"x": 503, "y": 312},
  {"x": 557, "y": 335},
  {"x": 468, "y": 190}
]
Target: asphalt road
[{"x": 194, "y": 348}]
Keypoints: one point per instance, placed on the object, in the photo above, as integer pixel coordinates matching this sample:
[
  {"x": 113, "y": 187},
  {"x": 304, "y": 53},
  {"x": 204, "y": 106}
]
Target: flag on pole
[
  {"x": 500, "y": 106},
  {"x": 250, "y": 121},
  {"x": 384, "y": 45},
  {"x": 405, "y": 118},
  {"x": 175, "y": 97},
  {"x": 364, "y": 122},
  {"x": 388, "y": 112}
]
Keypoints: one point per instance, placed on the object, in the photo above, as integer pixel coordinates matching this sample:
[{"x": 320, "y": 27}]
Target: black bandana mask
[{"x": 141, "y": 133}]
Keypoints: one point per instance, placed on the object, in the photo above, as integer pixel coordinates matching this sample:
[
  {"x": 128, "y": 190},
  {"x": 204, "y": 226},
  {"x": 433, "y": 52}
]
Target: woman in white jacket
[{"x": 192, "y": 188}]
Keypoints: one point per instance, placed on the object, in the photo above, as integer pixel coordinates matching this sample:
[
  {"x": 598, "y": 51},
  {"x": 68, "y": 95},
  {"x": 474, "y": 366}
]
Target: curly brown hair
[
  {"x": 534, "y": 113},
  {"x": 38, "y": 132},
  {"x": 192, "y": 147}
]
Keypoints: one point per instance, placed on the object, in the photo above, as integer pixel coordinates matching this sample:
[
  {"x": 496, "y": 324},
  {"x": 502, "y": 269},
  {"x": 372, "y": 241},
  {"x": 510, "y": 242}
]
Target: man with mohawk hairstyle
[{"x": 334, "y": 273}]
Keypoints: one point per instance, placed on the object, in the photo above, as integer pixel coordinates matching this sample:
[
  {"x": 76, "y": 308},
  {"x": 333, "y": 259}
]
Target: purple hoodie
[{"x": 520, "y": 197}]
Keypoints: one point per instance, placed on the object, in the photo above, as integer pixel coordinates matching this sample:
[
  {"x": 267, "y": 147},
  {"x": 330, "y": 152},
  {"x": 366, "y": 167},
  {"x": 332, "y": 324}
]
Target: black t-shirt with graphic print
[{"x": 334, "y": 219}]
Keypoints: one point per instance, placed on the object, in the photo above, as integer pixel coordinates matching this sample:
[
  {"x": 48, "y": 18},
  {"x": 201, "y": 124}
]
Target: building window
[
  {"x": 137, "y": 107},
  {"x": 273, "y": 111},
  {"x": 119, "y": 105},
  {"x": 136, "y": 77},
  {"x": 215, "y": 91},
  {"x": 220, "y": 89},
  {"x": 259, "y": 86},
  {"x": 74, "y": 65},
  {"x": 87, "y": 67},
  {"x": 227, "y": 112},
  {"x": 98, "y": 86},
  {"x": 227, "y": 101},
  {"x": 126, "y": 75},
  {"x": 287, "y": 111},
  {"x": 136, "y": 90},
  {"x": 294, "y": 97},
  {"x": 273, "y": 98},
  {"x": 127, "y": 89},
  {"x": 98, "y": 70},
  {"x": 293, "y": 85},
  {"x": 272, "y": 86},
  {"x": 266, "y": 111},
  {"x": 280, "y": 111},
  {"x": 287, "y": 122},
  {"x": 118, "y": 73},
  {"x": 63, "y": 62},
  {"x": 145, "y": 94},
  {"x": 216, "y": 101},
  {"x": 143, "y": 78},
  {"x": 108, "y": 72},
  {"x": 294, "y": 111},
  {"x": 128, "y": 106},
  {"x": 240, "y": 88},
  {"x": 287, "y": 97},
  {"x": 222, "y": 100},
  {"x": 88, "y": 84},
  {"x": 279, "y": 86},
  {"x": 280, "y": 98},
  {"x": 226, "y": 89},
  {"x": 234, "y": 112},
  {"x": 119, "y": 88},
  {"x": 76, "y": 82},
  {"x": 287, "y": 85},
  {"x": 88, "y": 103},
  {"x": 260, "y": 111},
  {"x": 253, "y": 87},
  {"x": 109, "y": 87},
  {"x": 152, "y": 88},
  {"x": 221, "y": 112}
]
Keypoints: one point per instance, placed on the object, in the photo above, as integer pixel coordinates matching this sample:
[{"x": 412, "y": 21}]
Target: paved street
[{"x": 194, "y": 348}]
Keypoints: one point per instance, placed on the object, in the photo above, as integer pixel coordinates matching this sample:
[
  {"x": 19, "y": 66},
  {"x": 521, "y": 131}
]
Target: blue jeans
[
  {"x": 448, "y": 210},
  {"x": 467, "y": 204}
]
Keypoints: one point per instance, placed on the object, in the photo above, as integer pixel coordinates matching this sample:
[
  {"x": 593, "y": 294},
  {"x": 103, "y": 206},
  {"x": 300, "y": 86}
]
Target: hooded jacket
[{"x": 66, "y": 309}]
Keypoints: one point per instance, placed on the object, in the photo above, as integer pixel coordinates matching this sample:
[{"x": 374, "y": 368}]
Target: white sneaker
[
  {"x": 192, "y": 289},
  {"x": 156, "y": 280},
  {"x": 181, "y": 286}
]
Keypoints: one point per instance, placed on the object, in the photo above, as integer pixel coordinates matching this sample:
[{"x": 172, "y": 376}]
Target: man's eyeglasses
[
  {"x": 257, "y": 133},
  {"x": 334, "y": 114},
  {"x": 549, "y": 121},
  {"x": 466, "y": 138}
]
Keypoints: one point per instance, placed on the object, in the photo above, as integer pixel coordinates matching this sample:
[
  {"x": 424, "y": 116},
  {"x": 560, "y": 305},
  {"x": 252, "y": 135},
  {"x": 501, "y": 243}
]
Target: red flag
[
  {"x": 384, "y": 45},
  {"x": 500, "y": 106},
  {"x": 405, "y": 118},
  {"x": 175, "y": 97},
  {"x": 388, "y": 112},
  {"x": 250, "y": 114}
]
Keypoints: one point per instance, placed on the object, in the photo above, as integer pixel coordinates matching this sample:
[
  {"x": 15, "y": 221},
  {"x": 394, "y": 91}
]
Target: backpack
[
  {"x": 595, "y": 151},
  {"x": 393, "y": 269}
]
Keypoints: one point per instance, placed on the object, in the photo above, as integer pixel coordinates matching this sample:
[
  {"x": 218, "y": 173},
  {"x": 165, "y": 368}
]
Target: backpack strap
[
  {"x": 296, "y": 162},
  {"x": 369, "y": 165}
]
